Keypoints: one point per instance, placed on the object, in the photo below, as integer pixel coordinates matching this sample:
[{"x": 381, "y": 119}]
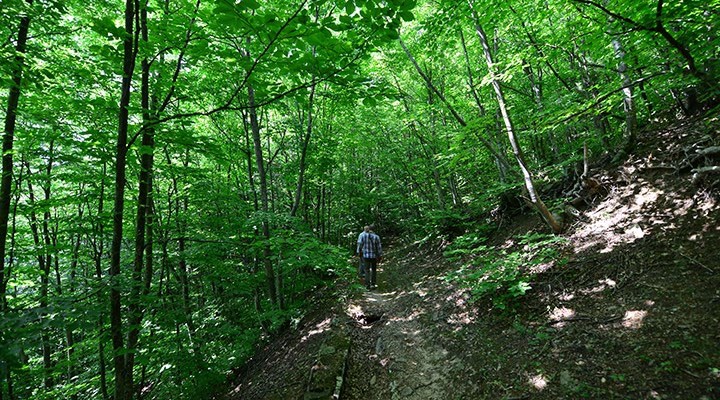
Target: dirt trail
[{"x": 396, "y": 353}]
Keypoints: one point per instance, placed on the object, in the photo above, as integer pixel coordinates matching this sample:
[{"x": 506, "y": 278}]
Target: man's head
[
  {"x": 367, "y": 228},
  {"x": 370, "y": 228}
]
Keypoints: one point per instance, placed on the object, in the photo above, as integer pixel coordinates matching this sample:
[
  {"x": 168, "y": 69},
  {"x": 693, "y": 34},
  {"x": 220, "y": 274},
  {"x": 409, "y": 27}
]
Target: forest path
[
  {"x": 630, "y": 312},
  {"x": 397, "y": 350}
]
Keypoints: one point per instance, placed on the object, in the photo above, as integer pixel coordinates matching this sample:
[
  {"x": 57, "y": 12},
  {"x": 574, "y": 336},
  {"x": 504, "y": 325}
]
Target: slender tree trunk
[
  {"x": 69, "y": 334},
  {"x": 529, "y": 184},
  {"x": 44, "y": 267},
  {"x": 253, "y": 264},
  {"x": 98, "y": 241},
  {"x": 495, "y": 147},
  {"x": 323, "y": 208},
  {"x": 48, "y": 252},
  {"x": 460, "y": 120},
  {"x": 600, "y": 121},
  {"x": 8, "y": 275},
  {"x": 264, "y": 201},
  {"x": 303, "y": 153},
  {"x": 643, "y": 90},
  {"x": 185, "y": 278},
  {"x": 140, "y": 287},
  {"x": 121, "y": 390},
  {"x": 628, "y": 102},
  {"x": 431, "y": 152}
]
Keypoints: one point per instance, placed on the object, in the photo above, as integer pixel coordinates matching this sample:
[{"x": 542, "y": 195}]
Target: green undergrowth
[{"x": 502, "y": 274}]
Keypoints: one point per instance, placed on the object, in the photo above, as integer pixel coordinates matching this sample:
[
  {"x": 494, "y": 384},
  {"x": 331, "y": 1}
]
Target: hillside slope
[{"x": 633, "y": 314}]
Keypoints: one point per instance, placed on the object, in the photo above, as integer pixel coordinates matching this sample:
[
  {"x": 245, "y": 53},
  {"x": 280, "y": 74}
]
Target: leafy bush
[{"x": 502, "y": 274}]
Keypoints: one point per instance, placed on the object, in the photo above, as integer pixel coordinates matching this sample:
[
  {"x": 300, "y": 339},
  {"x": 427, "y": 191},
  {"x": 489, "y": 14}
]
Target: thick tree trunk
[{"x": 13, "y": 102}]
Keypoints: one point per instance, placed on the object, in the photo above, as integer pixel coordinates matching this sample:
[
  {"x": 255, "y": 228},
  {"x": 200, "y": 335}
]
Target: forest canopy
[{"x": 179, "y": 176}]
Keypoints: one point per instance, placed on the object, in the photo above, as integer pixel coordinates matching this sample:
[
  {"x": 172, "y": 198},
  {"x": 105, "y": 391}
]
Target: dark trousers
[
  {"x": 370, "y": 271},
  {"x": 361, "y": 268}
]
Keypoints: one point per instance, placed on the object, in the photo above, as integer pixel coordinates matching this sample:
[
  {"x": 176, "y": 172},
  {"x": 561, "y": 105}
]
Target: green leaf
[
  {"x": 251, "y": 4},
  {"x": 407, "y": 15},
  {"x": 369, "y": 102}
]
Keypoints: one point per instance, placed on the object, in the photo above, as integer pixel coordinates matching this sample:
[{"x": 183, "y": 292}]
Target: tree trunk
[
  {"x": 69, "y": 334},
  {"x": 44, "y": 267},
  {"x": 303, "y": 153},
  {"x": 519, "y": 157},
  {"x": 98, "y": 243},
  {"x": 264, "y": 201},
  {"x": 5, "y": 370},
  {"x": 600, "y": 120},
  {"x": 141, "y": 282},
  {"x": 7, "y": 148},
  {"x": 460, "y": 120},
  {"x": 116, "y": 330},
  {"x": 628, "y": 103}
]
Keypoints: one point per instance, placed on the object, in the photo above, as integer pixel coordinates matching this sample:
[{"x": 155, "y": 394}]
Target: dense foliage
[{"x": 178, "y": 177}]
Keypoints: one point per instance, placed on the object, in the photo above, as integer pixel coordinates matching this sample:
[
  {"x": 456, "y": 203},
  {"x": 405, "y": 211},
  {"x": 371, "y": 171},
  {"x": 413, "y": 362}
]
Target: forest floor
[{"x": 633, "y": 314}]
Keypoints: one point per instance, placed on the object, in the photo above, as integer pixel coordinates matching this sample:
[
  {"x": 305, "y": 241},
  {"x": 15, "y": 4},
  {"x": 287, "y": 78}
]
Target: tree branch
[{"x": 602, "y": 98}]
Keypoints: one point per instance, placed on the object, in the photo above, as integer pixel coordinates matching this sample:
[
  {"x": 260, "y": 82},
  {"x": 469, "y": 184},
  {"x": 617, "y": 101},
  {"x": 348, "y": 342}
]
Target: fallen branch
[
  {"x": 712, "y": 271},
  {"x": 709, "y": 151},
  {"x": 691, "y": 374},
  {"x": 698, "y": 173}
]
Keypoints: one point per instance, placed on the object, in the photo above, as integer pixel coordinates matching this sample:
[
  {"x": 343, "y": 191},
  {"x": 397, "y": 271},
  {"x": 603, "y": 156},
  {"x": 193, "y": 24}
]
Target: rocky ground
[{"x": 634, "y": 313}]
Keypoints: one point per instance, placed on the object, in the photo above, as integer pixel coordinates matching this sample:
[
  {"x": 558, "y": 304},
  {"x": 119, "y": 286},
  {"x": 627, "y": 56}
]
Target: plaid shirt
[{"x": 368, "y": 245}]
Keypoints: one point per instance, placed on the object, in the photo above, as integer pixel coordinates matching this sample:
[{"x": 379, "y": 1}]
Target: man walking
[
  {"x": 361, "y": 267},
  {"x": 369, "y": 248}
]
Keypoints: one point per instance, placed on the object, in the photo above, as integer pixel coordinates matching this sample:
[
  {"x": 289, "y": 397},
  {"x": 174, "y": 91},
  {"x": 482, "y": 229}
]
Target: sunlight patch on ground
[
  {"x": 539, "y": 382},
  {"x": 560, "y": 316},
  {"x": 459, "y": 298},
  {"x": 411, "y": 333},
  {"x": 419, "y": 290},
  {"x": 415, "y": 314},
  {"x": 542, "y": 267},
  {"x": 354, "y": 310},
  {"x": 604, "y": 284},
  {"x": 632, "y": 213},
  {"x": 463, "y": 318},
  {"x": 634, "y": 319},
  {"x": 319, "y": 328},
  {"x": 562, "y": 296}
]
